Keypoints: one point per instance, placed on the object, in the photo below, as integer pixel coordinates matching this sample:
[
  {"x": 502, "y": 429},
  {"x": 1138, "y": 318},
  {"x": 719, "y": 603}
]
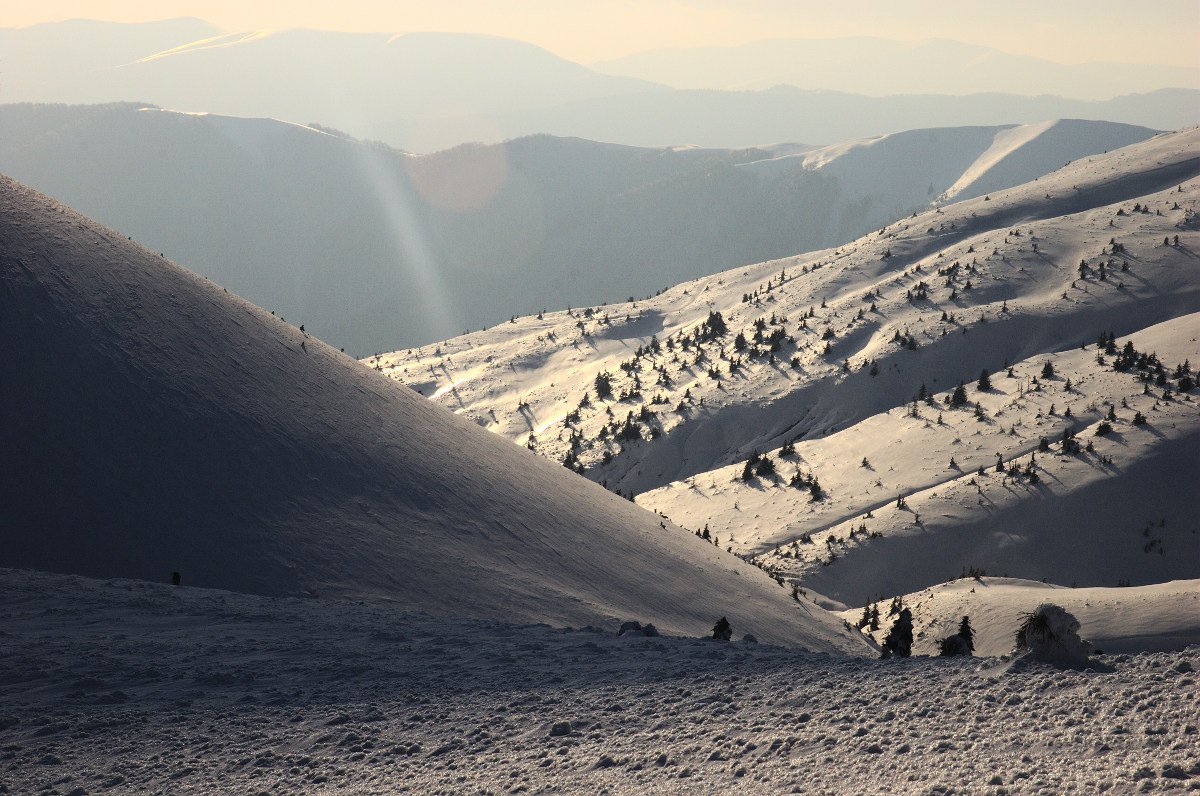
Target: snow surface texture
[
  {"x": 119, "y": 686},
  {"x": 1160, "y": 617},
  {"x": 342, "y": 230},
  {"x": 156, "y": 423}
]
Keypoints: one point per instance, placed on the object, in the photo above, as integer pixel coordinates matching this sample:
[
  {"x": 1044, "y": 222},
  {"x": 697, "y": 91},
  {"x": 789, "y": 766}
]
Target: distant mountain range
[
  {"x": 428, "y": 91},
  {"x": 373, "y": 249},
  {"x": 876, "y": 67}
]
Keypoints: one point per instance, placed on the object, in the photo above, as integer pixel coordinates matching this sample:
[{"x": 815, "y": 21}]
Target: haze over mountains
[
  {"x": 429, "y": 91},
  {"x": 334, "y": 233},
  {"x": 876, "y": 67}
]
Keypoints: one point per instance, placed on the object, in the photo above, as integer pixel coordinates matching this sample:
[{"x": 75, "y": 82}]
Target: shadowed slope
[{"x": 155, "y": 422}]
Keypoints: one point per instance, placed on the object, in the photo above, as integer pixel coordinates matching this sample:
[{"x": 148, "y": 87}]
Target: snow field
[{"x": 121, "y": 686}]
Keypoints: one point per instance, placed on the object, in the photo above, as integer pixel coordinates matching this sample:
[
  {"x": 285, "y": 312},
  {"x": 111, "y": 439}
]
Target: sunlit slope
[
  {"x": 1159, "y": 617},
  {"x": 932, "y": 299},
  {"x": 155, "y": 423},
  {"x": 1117, "y": 509}
]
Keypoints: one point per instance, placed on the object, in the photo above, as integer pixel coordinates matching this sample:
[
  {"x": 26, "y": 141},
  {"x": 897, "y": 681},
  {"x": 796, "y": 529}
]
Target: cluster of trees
[{"x": 899, "y": 639}]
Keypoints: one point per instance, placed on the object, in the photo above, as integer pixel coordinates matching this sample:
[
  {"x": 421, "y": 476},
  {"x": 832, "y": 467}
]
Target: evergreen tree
[
  {"x": 985, "y": 381},
  {"x": 968, "y": 634},
  {"x": 765, "y": 468},
  {"x": 959, "y": 396},
  {"x": 722, "y": 630},
  {"x": 603, "y": 385},
  {"x": 899, "y": 639}
]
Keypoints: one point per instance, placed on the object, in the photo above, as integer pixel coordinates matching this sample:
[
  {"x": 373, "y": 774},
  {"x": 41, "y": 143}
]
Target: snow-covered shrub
[{"x": 1051, "y": 633}]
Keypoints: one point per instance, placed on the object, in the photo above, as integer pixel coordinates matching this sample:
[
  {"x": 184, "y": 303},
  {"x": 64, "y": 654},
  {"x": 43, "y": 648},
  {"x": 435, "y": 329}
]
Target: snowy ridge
[
  {"x": 157, "y": 423},
  {"x": 1160, "y": 617}
]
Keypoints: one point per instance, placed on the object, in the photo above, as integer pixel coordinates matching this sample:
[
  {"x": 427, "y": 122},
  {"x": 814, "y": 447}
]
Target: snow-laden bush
[{"x": 1051, "y": 634}]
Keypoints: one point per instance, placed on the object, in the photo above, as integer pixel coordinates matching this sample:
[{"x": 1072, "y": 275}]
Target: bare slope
[
  {"x": 156, "y": 423},
  {"x": 428, "y": 91},
  {"x": 886, "y": 66}
]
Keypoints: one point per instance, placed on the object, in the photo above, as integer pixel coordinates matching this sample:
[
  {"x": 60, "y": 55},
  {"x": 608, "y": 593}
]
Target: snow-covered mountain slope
[
  {"x": 932, "y": 299},
  {"x": 1118, "y": 510},
  {"x": 156, "y": 423},
  {"x": 785, "y": 113},
  {"x": 1160, "y": 617},
  {"x": 333, "y": 233},
  {"x": 119, "y": 686},
  {"x": 901, "y": 172},
  {"x": 58, "y": 61}
]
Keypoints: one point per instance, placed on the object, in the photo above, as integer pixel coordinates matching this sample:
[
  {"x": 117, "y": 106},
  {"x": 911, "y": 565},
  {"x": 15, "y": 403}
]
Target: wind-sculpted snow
[
  {"x": 155, "y": 423},
  {"x": 118, "y": 686}
]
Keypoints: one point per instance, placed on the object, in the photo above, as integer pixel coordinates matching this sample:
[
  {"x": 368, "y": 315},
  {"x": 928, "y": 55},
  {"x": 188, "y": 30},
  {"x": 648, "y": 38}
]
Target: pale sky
[{"x": 1067, "y": 31}]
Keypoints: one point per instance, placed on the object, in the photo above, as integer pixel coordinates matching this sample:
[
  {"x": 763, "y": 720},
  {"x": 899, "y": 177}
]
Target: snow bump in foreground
[{"x": 123, "y": 686}]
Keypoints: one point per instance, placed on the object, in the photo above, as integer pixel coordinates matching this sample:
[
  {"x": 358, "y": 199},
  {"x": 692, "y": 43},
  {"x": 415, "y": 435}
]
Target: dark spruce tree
[
  {"x": 603, "y": 385},
  {"x": 722, "y": 630},
  {"x": 967, "y": 632},
  {"x": 899, "y": 639}
]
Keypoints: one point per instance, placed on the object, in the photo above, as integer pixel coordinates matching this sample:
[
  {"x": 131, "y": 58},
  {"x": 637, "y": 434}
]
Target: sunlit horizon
[{"x": 587, "y": 31}]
